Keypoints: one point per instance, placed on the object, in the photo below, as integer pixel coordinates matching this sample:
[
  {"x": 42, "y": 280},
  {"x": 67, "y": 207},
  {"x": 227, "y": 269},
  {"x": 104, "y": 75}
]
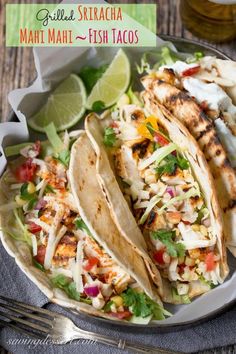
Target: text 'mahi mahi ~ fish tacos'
[
  {"x": 202, "y": 96},
  {"x": 76, "y": 261},
  {"x": 164, "y": 179}
]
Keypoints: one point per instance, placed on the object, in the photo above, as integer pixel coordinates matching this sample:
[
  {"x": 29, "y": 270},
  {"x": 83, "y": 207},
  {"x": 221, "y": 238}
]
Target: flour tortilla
[
  {"x": 180, "y": 135},
  {"x": 110, "y": 238},
  {"x": 185, "y": 109},
  {"x": 119, "y": 209},
  {"x": 95, "y": 212}
]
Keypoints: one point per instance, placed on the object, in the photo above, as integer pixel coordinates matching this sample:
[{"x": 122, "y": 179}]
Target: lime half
[
  {"x": 64, "y": 107},
  {"x": 113, "y": 83}
]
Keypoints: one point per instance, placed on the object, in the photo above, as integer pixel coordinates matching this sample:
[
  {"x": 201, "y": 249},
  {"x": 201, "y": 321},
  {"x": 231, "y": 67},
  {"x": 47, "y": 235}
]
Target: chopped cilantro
[
  {"x": 91, "y": 75},
  {"x": 80, "y": 224},
  {"x": 107, "y": 307},
  {"x": 98, "y": 106},
  {"x": 49, "y": 189},
  {"x": 141, "y": 305},
  {"x": 109, "y": 137},
  {"x": 166, "y": 237},
  {"x": 64, "y": 283},
  {"x": 171, "y": 163}
]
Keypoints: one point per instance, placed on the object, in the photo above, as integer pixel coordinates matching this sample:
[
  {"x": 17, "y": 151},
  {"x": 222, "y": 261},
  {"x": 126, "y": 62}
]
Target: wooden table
[{"x": 17, "y": 65}]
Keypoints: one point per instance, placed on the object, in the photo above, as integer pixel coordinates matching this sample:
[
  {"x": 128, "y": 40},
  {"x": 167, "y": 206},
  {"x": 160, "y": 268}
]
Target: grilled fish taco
[
  {"x": 198, "y": 94},
  {"x": 56, "y": 223},
  {"x": 163, "y": 177}
]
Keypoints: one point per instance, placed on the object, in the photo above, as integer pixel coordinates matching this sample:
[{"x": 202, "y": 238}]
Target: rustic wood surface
[{"x": 17, "y": 65}]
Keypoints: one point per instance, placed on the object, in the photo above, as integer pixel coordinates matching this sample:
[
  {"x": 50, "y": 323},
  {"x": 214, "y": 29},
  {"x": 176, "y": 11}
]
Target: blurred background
[{"x": 17, "y": 65}]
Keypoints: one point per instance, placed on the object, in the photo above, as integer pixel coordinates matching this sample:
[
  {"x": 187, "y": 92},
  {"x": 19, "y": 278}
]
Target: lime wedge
[
  {"x": 64, "y": 107},
  {"x": 113, "y": 83}
]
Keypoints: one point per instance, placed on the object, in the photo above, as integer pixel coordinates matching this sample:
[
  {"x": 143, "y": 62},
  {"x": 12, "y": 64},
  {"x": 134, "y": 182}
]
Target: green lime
[
  {"x": 64, "y": 107},
  {"x": 113, "y": 83}
]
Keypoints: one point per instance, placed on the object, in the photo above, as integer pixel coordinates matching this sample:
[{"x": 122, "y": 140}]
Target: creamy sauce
[
  {"x": 178, "y": 66},
  {"x": 212, "y": 93}
]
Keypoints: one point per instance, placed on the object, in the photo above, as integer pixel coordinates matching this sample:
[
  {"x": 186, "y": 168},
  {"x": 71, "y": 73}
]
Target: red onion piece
[
  {"x": 91, "y": 290},
  {"x": 40, "y": 204},
  {"x": 171, "y": 191},
  {"x": 206, "y": 222}
]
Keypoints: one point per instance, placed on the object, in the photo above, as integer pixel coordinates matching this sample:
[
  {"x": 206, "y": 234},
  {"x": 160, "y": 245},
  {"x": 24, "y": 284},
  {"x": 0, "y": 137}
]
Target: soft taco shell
[{"x": 94, "y": 210}]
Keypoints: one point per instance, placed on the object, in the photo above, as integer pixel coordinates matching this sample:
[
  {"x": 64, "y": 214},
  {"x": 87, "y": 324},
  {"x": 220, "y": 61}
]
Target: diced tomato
[
  {"x": 160, "y": 139},
  {"x": 186, "y": 222},
  {"x": 114, "y": 125},
  {"x": 91, "y": 262},
  {"x": 191, "y": 71},
  {"x": 121, "y": 315},
  {"x": 210, "y": 263},
  {"x": 40, "y": 254},
  {"x": 158, "y": 256},
  {"x": 34, "y": 228},
  {"x": 26, "y": 171}
]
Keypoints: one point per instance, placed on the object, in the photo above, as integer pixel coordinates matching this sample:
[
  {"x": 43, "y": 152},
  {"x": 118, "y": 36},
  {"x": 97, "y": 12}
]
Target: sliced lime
[
  {"x": 113, "y": 83},
  {"x": 64, "y": 107}
]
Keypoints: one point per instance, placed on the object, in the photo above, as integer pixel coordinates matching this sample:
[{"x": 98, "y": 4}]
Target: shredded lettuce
[
  {"x": 157, "y": 156},
  {"x": 183, "y": 299},
  {"x": 25, "y": 233},
  {"x": 153, "y": 201},
  {"x": 134, "y": 99},
  {"x": 195, "y": 58},
  {"x": 15, "y": 149},
  {"x": 54, "y": 138},
  {"x": 193, "y": 192}
]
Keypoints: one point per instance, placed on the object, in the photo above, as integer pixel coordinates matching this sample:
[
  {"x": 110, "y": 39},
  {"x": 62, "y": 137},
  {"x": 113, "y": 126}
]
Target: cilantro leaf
[
  {"x": 174, "y": 249},
  {"x": 80, "y": 224},
  {"x": 64, "y": 283},
  {"x": 171, "y": 163},
  {"x": 98, "y": 106},
  {"x": 109, "y": 137},
  {"x": 91, "y": 75},
  {"x": 64, "y": 157},
  {"x": 141, "y": 305}
]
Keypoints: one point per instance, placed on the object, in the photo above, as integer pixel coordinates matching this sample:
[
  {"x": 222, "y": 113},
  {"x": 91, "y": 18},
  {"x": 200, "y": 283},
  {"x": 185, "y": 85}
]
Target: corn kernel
[
  {"x": 143, "y": 130},
  {"x": 118, "y": 301},
  {"x": 203, "y": 230},
  {"x": 123, "y": 100},
  {"x": 189, "y": 261},
  {"x": 20, "y": 201},
  {"x": 195, "y": 227},
  {"x": 31, "y": 188}
]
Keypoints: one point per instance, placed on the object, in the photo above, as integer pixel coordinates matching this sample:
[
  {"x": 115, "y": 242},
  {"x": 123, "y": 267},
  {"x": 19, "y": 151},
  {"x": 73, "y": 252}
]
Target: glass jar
[{"x": 214, "y": 20}]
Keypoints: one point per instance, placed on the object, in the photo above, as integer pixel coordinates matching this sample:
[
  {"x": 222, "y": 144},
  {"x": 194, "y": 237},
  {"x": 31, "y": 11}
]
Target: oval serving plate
[{"x": 187, "y": 46}]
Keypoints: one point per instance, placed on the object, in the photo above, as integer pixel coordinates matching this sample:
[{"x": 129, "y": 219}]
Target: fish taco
[{"x": 62, "y": 236}]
